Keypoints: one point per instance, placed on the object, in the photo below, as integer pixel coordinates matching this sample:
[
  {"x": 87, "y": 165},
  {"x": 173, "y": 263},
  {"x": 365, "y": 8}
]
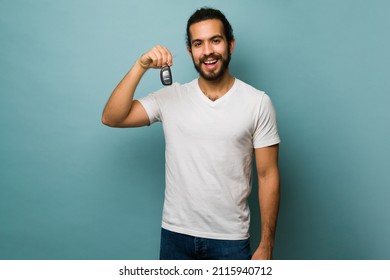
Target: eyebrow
[{"x": 210, "y": 39}]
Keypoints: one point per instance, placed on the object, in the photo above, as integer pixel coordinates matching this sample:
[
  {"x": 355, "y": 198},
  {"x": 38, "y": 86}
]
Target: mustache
[{"x": 212, "y": 56}]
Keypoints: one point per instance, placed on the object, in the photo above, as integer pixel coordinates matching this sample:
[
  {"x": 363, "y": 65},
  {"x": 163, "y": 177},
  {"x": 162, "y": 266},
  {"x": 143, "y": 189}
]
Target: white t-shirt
[{"x": 208, "y": 154}]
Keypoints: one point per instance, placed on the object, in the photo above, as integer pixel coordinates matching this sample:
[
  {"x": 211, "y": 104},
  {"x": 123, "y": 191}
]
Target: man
[{"x": 212, "y": 126}]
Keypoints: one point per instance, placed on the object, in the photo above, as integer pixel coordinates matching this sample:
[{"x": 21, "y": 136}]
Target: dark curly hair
[{"x": 209, "y": 13}]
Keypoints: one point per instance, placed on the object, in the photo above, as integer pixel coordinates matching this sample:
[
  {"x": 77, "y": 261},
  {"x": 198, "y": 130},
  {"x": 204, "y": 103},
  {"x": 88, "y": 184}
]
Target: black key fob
[{"x": 166, "y": 75}]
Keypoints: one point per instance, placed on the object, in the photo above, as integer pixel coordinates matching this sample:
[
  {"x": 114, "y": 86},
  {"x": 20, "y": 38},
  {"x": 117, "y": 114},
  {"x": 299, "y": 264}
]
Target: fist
[{"x": 156, "y": 58}]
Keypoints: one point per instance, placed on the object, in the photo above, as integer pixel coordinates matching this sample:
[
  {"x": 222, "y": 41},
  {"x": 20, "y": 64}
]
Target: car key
[{"x": 166, "y": 75}]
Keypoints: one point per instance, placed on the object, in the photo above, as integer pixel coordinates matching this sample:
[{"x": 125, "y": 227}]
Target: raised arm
[
  {"x": 121, "y": 109},
  {"x": 269, "y": 195}
]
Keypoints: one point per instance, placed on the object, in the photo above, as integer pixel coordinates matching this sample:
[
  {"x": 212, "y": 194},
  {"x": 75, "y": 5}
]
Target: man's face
[{"x": 209, "y": 49}]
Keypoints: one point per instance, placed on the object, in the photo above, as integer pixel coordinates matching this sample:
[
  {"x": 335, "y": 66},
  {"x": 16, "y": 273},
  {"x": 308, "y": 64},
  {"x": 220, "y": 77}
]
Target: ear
[
  {"x": 189, "y": 51},
  {"x": 232, "y": 46}
]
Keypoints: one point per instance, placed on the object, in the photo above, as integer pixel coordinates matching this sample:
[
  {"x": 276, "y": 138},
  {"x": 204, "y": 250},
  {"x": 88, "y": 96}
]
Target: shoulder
[
  {"x": 251, "y": 93},
  {"x": 256, "y": 99}
]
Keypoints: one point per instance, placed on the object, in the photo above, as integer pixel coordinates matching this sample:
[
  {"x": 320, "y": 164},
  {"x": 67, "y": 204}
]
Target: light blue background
[{"x": 71, "y": 188}]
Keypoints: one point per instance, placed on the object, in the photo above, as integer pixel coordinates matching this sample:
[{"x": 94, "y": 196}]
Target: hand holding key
[{"x": 157, "y": 57}]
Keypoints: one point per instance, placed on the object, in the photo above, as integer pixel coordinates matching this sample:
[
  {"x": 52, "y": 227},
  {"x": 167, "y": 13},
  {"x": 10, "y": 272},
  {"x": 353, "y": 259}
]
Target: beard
[{"x": 215, "y": 75}]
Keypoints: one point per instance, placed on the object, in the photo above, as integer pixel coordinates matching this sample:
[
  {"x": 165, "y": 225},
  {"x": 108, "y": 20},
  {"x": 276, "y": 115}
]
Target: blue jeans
[{"x": 177, "y": 246}]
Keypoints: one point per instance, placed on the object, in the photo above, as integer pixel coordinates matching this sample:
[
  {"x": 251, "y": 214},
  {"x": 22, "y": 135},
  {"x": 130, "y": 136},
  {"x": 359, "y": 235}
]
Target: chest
[{"x": 197, "y": 123}]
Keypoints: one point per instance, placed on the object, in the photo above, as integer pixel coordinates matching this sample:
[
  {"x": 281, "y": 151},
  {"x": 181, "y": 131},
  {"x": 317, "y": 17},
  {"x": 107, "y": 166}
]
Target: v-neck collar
[{"x": 219, "y": 100}]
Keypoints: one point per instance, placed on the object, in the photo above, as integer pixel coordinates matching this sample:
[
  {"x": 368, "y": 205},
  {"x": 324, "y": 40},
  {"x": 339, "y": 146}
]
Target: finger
[
  {"x": 166, "y": 56},
  {"x": 169, "y": 57},
  {"x": 149, "y": 59},
  {"x": 159, "y": 54},
  {"x": 145, "y": 60},
  {"x": 156, "y": 58}
]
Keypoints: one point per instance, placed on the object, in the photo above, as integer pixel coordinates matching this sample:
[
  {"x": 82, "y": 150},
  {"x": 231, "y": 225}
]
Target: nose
[{"x": 207, "y": 48}]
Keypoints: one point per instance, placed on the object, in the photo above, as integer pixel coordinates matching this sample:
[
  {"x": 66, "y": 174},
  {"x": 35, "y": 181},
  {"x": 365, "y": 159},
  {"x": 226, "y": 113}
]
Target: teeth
[{"x": 210, "y": 62}]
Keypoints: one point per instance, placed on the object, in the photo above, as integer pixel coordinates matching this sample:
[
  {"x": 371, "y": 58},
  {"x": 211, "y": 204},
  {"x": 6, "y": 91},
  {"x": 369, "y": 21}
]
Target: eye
[
  {"x": 197, "y": 44},
  {"x": 216, "y": 40}
]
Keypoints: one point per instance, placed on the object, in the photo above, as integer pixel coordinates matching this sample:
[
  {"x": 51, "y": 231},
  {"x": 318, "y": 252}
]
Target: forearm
[
  {"x": 121, "y": 99},
  {"x": 269, "y": 197}
]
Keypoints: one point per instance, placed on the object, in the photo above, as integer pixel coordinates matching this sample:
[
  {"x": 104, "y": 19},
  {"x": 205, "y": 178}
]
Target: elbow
[
  {"x": 106, "y": 121},
  {"x": 269, "y": 177}
]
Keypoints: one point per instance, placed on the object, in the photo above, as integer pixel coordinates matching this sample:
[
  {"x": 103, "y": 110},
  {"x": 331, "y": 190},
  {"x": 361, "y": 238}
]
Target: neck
[{"x": 216, "y": 89}]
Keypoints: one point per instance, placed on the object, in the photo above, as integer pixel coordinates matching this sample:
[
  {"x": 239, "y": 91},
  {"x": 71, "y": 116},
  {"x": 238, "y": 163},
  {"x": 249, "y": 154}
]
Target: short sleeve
[
  {"x": 152, "y": 106},
  {"x": 266, "y": 131}
]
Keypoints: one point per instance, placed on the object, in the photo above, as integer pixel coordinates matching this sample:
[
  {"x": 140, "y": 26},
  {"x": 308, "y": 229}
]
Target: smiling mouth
[{"x": 211, "y": 62}]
